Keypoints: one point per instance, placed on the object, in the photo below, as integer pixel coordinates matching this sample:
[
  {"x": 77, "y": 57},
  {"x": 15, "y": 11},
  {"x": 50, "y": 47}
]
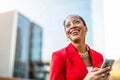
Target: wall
[
  {"x": 98, "y": 26},
  {"x": 112, "y": 30},
  {"x": 6, "y": 44}
]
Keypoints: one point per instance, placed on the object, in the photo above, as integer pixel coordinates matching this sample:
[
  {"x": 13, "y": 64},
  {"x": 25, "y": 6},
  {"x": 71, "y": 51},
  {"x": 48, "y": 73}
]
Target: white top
[{"x": 89, "y": 68}]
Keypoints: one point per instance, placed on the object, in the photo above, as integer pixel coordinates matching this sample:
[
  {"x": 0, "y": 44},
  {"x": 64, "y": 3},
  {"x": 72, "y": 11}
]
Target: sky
[{"x": 50, "y": 14}]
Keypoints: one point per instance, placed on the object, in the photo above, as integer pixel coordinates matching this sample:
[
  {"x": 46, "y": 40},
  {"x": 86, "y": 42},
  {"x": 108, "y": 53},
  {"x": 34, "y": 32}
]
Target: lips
[{"x": 75, "y": 31}]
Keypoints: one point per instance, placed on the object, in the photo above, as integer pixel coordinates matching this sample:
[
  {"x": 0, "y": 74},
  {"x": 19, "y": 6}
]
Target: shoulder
[
  {"x": 96, "y": 53},
  {"x": 64, "y": 50},
  {"x": 97, "y": 58},
  {"x": 59, "y": 53},
  {"x": 59, "y": 58}
]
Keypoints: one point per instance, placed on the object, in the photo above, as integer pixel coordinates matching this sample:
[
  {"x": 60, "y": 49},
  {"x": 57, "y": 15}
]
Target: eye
[
  {"x": 77, "y": 22},
  {"x": 67, "y": 25}
]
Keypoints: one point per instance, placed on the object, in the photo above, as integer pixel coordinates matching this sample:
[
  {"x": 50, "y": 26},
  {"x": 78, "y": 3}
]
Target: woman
[{"x": 77, "y": 61}]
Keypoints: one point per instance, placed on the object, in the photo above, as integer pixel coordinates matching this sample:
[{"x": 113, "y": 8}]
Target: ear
[
  {"x": 67, "y": 37},
  {"x": 86, "y": 29}
]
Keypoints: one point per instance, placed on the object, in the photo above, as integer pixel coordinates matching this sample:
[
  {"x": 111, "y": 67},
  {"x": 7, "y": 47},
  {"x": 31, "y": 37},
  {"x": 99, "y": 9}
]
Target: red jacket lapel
[
  {"x": 75, "y": 57},
  {"x": 97, "y": 59}
]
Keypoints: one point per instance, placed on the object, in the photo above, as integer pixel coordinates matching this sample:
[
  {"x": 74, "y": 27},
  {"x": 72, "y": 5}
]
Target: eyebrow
[{"x": 75, "y": 20}]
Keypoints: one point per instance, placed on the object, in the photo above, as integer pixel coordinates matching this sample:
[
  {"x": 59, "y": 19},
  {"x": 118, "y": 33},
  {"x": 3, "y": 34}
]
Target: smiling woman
[
  {"x": 77, "y": 61},
  {"x": 74, "y": 27}
]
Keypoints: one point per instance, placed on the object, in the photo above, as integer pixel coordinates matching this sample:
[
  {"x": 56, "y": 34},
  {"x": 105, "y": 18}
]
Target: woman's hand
[{"x": 98, "y": 74}]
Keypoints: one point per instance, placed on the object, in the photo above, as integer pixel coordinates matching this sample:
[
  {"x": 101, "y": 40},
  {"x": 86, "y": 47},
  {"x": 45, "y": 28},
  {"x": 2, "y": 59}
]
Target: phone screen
[{"x": 108, "y": 62}]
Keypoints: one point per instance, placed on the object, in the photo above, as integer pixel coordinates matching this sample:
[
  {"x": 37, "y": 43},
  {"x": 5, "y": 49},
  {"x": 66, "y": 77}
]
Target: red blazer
[{"x": 68, "y": 65}]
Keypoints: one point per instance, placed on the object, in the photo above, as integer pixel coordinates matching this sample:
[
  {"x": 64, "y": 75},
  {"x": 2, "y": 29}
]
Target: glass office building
[
  {"x": 36, "y": 42},
  {"x": 28, "y": 47},
  {"x": 21, "y": 45},
  {"x": 35, "y": 50},
  {"x": 21, "y": 66}
]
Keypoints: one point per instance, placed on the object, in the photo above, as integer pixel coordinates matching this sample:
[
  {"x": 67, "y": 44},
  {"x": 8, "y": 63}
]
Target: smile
[{"x": 74, "y": 32}]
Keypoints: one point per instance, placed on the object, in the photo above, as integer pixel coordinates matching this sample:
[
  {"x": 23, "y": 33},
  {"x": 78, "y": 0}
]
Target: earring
[{"x": 67, "y": 39}]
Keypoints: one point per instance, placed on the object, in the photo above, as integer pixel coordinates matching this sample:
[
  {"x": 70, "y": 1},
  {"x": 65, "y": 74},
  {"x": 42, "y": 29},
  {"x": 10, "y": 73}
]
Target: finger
[
  {"x": 100, "y": 77},
  {"x": 95, "y": 69},
  {"x": 103, "y": 78},
  {"x": 103, "y": 70}
]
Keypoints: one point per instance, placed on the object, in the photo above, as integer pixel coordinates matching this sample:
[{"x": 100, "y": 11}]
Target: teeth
[{"x": 74, "y": 32}]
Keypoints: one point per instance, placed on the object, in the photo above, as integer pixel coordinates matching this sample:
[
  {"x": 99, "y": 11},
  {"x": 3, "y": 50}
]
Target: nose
[{"x": 73, "y": 25}]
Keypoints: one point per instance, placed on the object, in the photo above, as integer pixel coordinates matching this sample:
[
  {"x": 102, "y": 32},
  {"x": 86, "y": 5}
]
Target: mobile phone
[{"x": 107, "y": 62}]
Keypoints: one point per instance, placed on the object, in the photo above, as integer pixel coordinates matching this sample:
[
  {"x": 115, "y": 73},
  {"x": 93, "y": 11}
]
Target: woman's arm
[
  {"x": 57, "y": 70},
  {"x": 98, "y": 74}
]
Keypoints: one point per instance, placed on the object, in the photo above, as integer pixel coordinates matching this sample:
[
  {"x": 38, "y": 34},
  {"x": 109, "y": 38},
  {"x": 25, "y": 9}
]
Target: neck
[{"x": 81, "y": 46}]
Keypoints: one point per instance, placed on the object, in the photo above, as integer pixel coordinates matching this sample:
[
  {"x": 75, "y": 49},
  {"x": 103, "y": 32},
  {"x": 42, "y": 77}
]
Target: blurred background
[{"x": 30, "y": 30}]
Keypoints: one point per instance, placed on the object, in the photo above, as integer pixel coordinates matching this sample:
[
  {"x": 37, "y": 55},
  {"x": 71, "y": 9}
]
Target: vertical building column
[
  {"x": 98, "y": 26},
  {"x": 112, "y": 25}
]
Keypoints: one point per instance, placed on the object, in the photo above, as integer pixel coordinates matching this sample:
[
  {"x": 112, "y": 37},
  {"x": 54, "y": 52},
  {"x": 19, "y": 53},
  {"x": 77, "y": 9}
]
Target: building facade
[{"x": 21, "y": 45}]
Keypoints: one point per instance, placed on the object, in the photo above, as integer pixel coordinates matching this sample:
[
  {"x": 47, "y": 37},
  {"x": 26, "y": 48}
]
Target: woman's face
[{"x": 75, "y": 29}]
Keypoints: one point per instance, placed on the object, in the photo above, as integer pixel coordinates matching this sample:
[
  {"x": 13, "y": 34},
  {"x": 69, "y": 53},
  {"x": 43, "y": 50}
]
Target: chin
[{"x": 75, "y": 40}]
